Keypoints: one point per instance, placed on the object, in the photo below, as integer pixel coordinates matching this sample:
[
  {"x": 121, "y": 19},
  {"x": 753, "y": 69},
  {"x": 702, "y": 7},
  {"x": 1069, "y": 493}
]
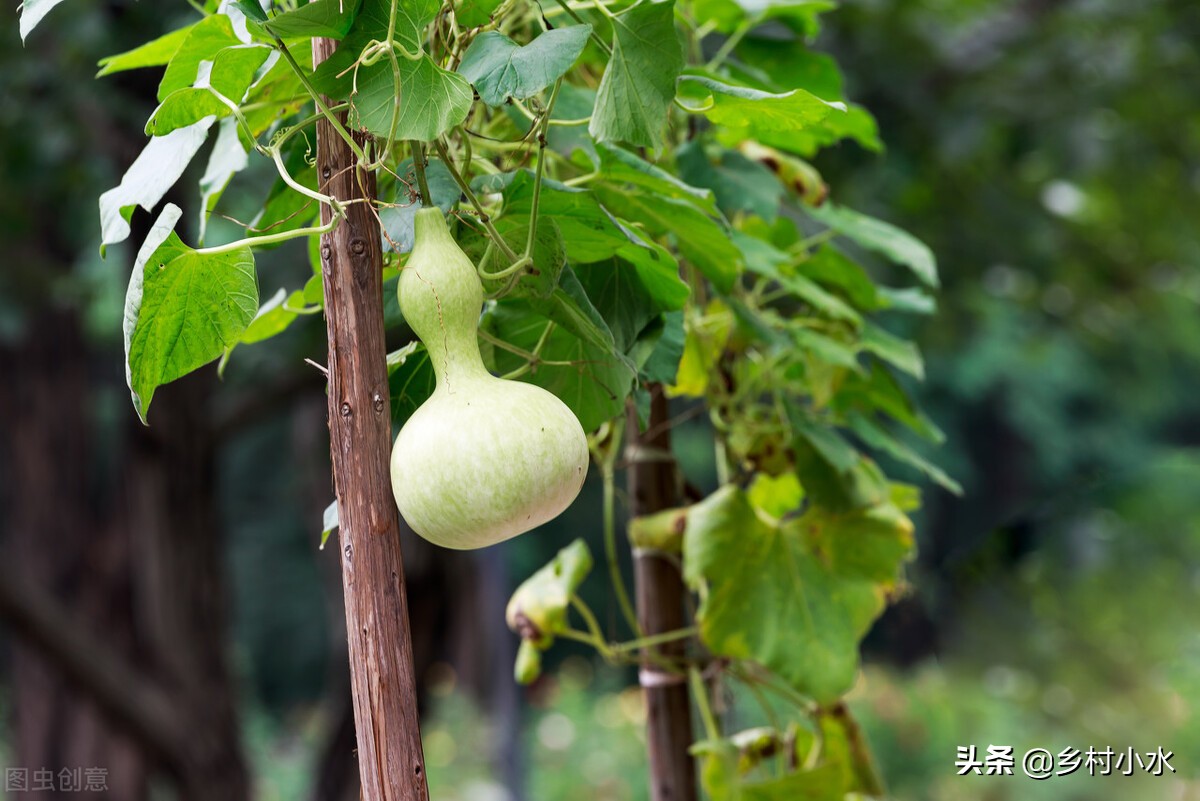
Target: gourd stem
[
  {"x": 418, "y": 159},
  {"x": 700, "y": 692},
  {"x": 541, "y": 170},
  {"x": 607, "y": 469}
]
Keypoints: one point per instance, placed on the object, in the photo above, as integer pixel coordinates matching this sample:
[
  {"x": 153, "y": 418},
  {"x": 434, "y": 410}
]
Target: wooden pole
[
  {"x": 653, "y": 486},
  {"x": 383, "y": 682}
]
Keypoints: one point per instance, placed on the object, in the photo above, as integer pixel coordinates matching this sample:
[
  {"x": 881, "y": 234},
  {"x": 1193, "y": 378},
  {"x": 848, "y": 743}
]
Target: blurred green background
[{"x": 1047, "y": 150}]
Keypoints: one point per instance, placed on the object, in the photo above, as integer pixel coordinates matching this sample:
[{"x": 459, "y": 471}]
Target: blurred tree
[{"x": 1048, "y": 151}]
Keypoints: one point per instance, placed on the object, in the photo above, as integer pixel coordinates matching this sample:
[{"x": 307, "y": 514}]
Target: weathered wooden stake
[
  {"x": 653, "y": 486},
  {"x": 383, "y": 684}
]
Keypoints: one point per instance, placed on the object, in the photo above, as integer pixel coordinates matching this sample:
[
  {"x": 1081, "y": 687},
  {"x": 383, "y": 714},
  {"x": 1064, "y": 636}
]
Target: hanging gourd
[{"x": 483, "y": 459}]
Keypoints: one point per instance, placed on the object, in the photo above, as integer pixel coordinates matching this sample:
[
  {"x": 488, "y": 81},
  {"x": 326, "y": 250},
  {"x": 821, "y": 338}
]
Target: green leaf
[
  {"x": 879, "y": 391},
  {"x": 700, "y": 239},
  {"x": 831, "y": 267},
  {"x": 252, "y": 9},
  {"x": 754, "y": 112},
  {"x": 870, "y": 543},
  {"x": 232, "y": 74},
  {"x": 591, "y": 380},
  {"x": 618, "y": 165},
  {"x": 574, "y": 103},
  {"x": 149, "y": 177},
  {"x": 328, "y": 18},
  {"x": 616, "y": 289},
  {"x": 473, "y": 13},
  {"x": 434, "y": 100},
  {"x": 909, "y": 299},
  {"x": 592, "y": 234},
  {"x": 32, "y": 12},
  {"x": 765, "y": 260},
  {"x": 834, "y": 475},
  {"x": 570, "y": 307},
  {"x": 152, "y": 54},
  {"x": 639, "y": 81},
  {"x": 549, "y": 257},
  {"x": 893, "y": 349},
  {"x": 662, "y": 365},
  {"x": 183, "y": 308},
  {"x": 881, "y": 237},
  {"x": 767, "y": 596},
  {"x": 410, "y": 379},
  {"x": 501, "y": 69},
  {"x": 826, "y": 348},
  {"x": 538, "y": 609},
  {"x": 875, "y": 436},
  {"x": 739, "y": 184},
  {"x": 204, "y": 41}
]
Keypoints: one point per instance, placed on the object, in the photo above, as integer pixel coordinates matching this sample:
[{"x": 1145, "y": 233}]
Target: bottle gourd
[{"x": 483, "y": 459}]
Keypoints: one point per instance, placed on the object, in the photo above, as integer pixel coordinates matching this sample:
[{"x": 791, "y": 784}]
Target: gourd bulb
[{"x": 483, "y": 459}]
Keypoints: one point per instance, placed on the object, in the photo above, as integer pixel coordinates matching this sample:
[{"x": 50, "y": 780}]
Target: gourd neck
[
  {"x": 441, "y": 297},
  {"x": 456, "y": 360}
]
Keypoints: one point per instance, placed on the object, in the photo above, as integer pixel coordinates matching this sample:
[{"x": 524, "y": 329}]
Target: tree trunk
[
  {"x": 653, "y": 485},
  {"x": 118, "y": 602},
  {"x": 382, "y": 679}
]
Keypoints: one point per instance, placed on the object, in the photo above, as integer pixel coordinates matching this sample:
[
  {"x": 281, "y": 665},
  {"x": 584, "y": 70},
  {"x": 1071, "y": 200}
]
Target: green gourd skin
[{"x": 483, "y": 459}]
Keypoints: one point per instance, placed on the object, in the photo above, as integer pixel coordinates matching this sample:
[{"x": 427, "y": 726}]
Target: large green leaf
[
  {"x": 751, "y": 111},
  {"x": 501, "y": 69},
  {"x": 615, "y": 288},
  {"x": 569, "y": 306},
  {"x": 154, "y": 53},
  {"x": 233, "y": 71},
  {"x": 870, "y": 543},
  {"x": 149, "y": 177},
  {"x": 881, "y": 237},
  {"x": 431, "y": 100},
  {"x": 769, "y": 596},
  {"x": 205, "y": 39},
  {"x": 183, "y": 308},
  {"x": 328, "y": 18},
  {"x": 639, "y": 81}
]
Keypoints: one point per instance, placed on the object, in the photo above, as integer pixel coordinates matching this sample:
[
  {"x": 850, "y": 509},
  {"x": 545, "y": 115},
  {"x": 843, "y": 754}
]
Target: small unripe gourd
[{"x": 484, "y": 458}]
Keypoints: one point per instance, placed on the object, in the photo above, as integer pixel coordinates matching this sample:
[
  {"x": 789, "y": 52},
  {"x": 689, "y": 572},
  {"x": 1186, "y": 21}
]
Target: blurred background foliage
[{"x": 1048, "y": 151}]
